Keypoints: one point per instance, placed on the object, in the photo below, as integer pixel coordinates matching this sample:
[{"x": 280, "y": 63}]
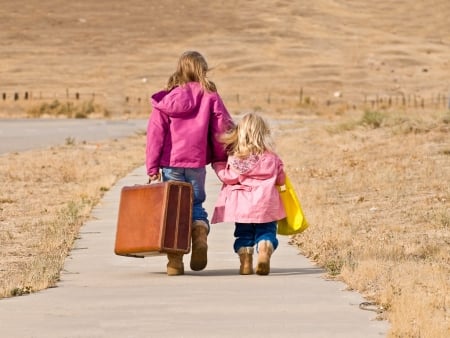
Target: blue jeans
[
  {"x": 249, "y": 234},
  {"x": 197, "y": 177}
]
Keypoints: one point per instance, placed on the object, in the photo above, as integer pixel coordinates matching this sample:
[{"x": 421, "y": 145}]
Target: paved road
[
  {"x": 26, "y": 134},
  {"x": 103, "y": 295}
]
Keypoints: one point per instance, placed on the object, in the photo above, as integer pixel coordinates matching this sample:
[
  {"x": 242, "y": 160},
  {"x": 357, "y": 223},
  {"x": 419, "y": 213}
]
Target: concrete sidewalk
[{"x": 104, "y": 295}]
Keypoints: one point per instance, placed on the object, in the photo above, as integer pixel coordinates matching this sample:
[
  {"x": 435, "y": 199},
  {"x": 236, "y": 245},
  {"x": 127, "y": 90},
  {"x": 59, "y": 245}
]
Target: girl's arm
[
  {"x": 224, "y": 173},
  {"x": 219, "y": 123},
  {"x": 156, "y": 132},
  {"x": 281, "y": 175}
]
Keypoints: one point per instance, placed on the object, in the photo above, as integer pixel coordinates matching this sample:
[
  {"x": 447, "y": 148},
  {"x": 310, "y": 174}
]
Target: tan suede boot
[
  {"x": 175, "y": 266},
  {"x": 246, "y": 257},
  {"x": 265, "y": 250},
  {"x": 199, "y": 257}
]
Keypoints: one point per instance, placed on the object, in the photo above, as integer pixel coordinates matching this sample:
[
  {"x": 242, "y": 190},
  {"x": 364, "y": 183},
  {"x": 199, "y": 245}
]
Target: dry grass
[
  {"x": 378, "y": 200},
  {"x": 260, "y": 51},
  {"x": 46, "y": 195}
]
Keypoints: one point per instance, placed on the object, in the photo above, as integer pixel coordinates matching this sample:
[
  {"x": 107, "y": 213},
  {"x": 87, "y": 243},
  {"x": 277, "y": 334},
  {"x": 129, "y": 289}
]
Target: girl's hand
[{"x": 152, "y": 178}]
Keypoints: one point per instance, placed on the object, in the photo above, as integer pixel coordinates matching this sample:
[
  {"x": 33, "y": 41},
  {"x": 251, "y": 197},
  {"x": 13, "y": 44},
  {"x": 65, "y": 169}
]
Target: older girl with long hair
[{"x": 181, "y": 140}]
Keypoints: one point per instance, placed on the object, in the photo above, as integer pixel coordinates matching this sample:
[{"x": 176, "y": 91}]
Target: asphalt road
[{"x": 26, "y": 134}]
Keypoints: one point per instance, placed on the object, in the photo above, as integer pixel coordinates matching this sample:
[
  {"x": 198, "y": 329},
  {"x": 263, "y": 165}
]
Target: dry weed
[
  {"x": 378, "y": 200},
  {"x": 46, "y": 196}
]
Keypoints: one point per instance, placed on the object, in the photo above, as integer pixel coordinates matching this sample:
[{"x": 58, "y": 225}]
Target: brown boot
[
  {"x": 175, "y": 266},
  {"x": 199, "y": 257},
  {"x": 265, "y": 249},
  {"x": 246, "y": 257}
]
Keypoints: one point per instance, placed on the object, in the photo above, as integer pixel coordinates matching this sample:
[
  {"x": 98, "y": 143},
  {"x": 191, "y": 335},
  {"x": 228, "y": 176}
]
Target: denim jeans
[
  {"x": 249, "y": 234},
  {"x": 197, "y": 177}
]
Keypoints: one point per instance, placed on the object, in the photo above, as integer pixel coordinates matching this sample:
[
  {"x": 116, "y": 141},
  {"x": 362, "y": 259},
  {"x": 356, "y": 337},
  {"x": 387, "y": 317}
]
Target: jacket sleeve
[
  {"x": 219, "y": 123},
  {"x": 281, "y": 175},
  {"x": 224, "y": 173},
  {"x": 157, "y": 127}
]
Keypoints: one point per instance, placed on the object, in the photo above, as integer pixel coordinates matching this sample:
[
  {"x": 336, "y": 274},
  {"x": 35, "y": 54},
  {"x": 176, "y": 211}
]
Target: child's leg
[
  {"x": 200, "y": 224},
  {"x": 267, "y": 231},
  {"x": 267, "y": 242},
  {"x": 243, "y": 246},
  {"x": 244, "y": 234},
  {"x": 175, "y": 265}
]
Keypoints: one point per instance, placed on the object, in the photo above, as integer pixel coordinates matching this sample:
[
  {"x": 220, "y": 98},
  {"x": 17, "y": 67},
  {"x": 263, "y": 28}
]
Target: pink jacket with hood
[
  {"x": 249, "y": 193},
  {"x": 183, "y": 126}
]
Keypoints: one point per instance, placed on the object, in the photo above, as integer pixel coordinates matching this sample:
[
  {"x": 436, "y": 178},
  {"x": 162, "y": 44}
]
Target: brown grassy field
[
  {"x": 365, "y": 85},
  {"x": 378, "y": 200},
  {"x": 260, "y": 51}
]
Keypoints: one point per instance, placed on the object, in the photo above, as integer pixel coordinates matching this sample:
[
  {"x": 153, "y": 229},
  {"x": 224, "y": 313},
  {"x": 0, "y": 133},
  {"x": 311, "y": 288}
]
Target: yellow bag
[{"x": 295, "y": 222}]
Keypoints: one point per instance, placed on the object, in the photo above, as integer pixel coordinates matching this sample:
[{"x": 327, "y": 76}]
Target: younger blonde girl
[{"x": 249, "y": 196}]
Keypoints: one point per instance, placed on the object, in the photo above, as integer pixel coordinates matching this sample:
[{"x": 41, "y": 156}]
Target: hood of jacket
[
  {"x": 180, "y": 101},
  {"x": 256, "y": 166}
]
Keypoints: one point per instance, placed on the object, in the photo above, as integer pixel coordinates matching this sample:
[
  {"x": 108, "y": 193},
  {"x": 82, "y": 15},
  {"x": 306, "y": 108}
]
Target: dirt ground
[
  {"x": 264, "y": 53},
  {"x": 373, "y": 186}
]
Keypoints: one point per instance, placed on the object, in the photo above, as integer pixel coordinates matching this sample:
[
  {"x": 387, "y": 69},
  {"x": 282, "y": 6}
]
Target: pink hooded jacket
[
  {"x": 182, "y": 128},
  {"x": 249, "y": 193}
]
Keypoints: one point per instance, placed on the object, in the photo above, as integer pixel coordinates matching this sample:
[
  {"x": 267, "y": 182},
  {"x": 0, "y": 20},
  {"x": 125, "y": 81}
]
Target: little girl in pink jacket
[{"x": 249, "y": 195}]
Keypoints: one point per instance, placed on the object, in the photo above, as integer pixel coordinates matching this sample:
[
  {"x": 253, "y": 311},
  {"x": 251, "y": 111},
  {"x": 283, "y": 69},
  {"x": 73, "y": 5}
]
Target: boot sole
[
  {"x": 174, "y": 271},
  {"x": 263, "y": 269},
  {"x": 199, "y": 258}
]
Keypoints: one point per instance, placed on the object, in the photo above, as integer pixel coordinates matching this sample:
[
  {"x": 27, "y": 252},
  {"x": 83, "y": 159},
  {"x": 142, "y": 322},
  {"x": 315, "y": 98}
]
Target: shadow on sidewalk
[{"x": 273, "y": 272}]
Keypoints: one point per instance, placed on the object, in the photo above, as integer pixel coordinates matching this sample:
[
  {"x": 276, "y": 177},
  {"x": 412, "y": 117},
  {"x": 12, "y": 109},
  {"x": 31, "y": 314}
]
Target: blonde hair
[
  {"x": 251, "y": 136},
  {"x": 192, "y": 67}
]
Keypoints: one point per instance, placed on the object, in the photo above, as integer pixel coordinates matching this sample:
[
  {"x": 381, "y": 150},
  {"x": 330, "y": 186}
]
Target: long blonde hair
[
  {"x": 192, "y": 67},
  {"x": 251, "y": 136}
]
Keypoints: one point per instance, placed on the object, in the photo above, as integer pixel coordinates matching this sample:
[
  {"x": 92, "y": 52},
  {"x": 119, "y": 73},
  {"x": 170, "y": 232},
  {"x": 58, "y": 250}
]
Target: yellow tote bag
[{"x": 295, "y": 222}]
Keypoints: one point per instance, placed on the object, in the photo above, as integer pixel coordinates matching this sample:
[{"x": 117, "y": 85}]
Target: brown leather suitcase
[{"x": 154, "y": 219}]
